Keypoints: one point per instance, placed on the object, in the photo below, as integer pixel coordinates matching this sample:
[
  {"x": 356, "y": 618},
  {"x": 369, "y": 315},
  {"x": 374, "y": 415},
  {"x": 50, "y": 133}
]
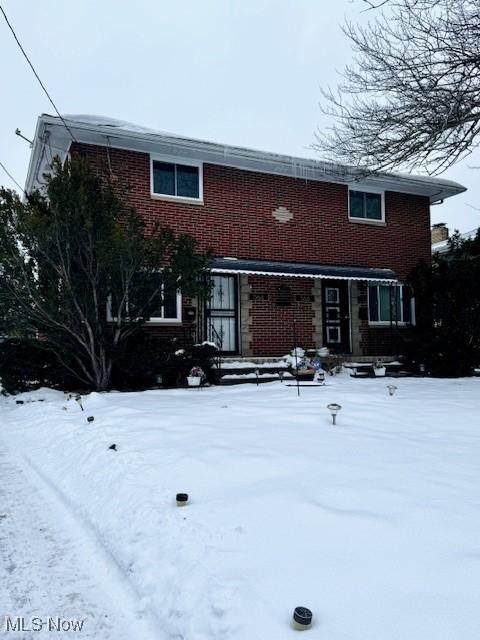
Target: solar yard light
[
  {"x": 78, "y": 398},
  {"x": 334, "y": 408},
  {"x": 391, "y": 389},
  {"x": 182, "y": 499},
  {"x": 302, "y": 618}
]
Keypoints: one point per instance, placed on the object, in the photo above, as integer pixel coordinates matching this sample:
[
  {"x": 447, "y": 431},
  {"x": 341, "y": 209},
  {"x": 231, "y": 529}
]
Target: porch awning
[{"x": 300, "y": 270}]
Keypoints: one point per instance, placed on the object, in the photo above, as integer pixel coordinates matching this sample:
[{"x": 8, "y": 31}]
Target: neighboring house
[
  {"x": 294, "y": 239},
  {"x": 441, "y": 237}
]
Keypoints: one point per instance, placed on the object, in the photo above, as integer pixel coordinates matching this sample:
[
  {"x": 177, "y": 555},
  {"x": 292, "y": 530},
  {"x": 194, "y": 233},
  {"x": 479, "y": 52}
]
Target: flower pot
[
  {"x": 194, "y": 381},
  {"x": 379, "y": 371}
]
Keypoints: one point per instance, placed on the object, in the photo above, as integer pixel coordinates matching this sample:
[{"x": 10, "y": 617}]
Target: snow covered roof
[
  {"x": 300, "y": 270},
  {"x": 52, "y": 138},
  {"x": 443, "y": 246}
]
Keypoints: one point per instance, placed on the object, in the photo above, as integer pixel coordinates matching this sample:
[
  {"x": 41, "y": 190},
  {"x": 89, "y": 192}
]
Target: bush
[
  {"x": 26, "y": 365},
  {"x": 138, "y": 361},
  {"x": 447, "y": 335},
  {"x": 143, "y": 357}
]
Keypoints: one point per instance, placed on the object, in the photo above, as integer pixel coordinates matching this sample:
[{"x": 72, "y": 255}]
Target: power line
[
  {"x": 11, "y": 177},
  {"x": 36, "y": 74}
]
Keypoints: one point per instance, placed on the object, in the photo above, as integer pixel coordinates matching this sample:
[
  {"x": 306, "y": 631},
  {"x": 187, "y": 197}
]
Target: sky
[{"x": 242, "y": 72}]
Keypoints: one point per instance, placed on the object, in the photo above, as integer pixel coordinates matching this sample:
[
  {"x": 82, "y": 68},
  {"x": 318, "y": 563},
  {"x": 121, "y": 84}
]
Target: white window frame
[
  {"x": 332, "y": 308},
  {"x": 337, "y": 295},
  {"x": 387, "y": 323},
  {"x": 153, "y": 319},
  {"x": 336, "y": 327},
  {"x": 363, "y": 189},
  {"x": 177, "y": 161}
]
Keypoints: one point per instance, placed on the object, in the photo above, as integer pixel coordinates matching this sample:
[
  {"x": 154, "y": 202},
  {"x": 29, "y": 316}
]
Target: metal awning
[{"x": 300, "y": 270}]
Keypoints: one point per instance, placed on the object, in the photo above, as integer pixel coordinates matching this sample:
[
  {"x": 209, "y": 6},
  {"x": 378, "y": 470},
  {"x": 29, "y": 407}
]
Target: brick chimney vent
[{"x": 439, "y": 232}]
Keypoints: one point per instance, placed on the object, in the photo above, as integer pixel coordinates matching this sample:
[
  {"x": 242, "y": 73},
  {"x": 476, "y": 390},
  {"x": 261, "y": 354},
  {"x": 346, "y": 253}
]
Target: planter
[
  {"x": 194, "y": 381},
  {"x": 306, "y": 375},
  {"x": 379, "y": 371}
]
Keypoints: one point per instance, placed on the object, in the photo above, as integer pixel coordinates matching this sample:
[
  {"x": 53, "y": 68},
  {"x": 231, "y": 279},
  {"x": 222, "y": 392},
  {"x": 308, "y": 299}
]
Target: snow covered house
[{"x": 294, "y": 239}]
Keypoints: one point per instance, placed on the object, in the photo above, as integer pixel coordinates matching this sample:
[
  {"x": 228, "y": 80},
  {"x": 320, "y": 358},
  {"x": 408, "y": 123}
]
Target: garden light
[
  {"x": 182, "y": 499},
  {"x": 302, "y": 618},
  {"x": 391, "y": 389},
  {"x": 334, "y": 409}
]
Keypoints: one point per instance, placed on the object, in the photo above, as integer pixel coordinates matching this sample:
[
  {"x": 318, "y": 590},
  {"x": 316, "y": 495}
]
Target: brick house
[{"x": 296, "y": 241}]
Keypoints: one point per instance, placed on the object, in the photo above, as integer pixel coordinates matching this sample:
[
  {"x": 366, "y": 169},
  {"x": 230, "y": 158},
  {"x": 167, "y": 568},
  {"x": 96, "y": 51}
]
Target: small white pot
[
  {"x": 379, "y": 371},
  {"x": 194, "y": 381}
]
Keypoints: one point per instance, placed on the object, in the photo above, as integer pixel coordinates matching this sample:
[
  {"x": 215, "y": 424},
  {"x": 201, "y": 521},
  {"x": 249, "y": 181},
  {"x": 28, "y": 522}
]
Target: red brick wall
[
  {"x": 236, "y": 218},
  {"x": 273, "y": 324}
]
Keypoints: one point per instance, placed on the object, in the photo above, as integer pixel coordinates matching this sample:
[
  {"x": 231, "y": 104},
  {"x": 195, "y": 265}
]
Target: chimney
[{"x": 439, "y": 232}]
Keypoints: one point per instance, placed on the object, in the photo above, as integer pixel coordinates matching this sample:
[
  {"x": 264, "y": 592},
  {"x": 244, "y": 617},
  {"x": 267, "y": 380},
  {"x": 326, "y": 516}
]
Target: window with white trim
[
  {"x": 162, "y": 302},
  {"x": 174, "y": 180},
  {"x": 388, "y": 304},
  {"x": 366, "y": 205}
]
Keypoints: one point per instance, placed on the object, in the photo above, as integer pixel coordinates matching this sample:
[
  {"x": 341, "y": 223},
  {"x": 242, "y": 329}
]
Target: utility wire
[
  {"x": 36, "y": 74},
  {"x": 11, "y": 177}
]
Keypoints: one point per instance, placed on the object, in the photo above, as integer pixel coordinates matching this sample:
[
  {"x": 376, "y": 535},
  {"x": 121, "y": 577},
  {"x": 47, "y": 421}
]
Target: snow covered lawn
[{"x": 373, "y": 524}]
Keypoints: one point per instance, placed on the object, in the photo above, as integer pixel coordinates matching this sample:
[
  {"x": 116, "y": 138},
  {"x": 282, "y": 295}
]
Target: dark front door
[
  {"x": 222, "y": 313},
  {"x": 336, "y": 316}
]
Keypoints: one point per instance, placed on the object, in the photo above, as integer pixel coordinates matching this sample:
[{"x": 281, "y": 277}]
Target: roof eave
[{"x": 251, "y": 160}]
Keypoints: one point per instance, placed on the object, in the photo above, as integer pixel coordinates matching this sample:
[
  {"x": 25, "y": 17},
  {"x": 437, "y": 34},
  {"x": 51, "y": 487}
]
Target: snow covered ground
[{"x": 373, "y": 524}]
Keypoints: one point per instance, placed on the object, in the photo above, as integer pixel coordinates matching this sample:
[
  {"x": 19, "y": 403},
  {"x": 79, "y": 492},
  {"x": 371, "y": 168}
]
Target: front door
[
  {"x": 222, "y": 313},
  {"x": 336, "y": 316}
]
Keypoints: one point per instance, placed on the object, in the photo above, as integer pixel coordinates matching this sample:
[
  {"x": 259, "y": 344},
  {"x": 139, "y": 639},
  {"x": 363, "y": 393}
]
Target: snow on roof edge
[{"x": 104, "y": 122}]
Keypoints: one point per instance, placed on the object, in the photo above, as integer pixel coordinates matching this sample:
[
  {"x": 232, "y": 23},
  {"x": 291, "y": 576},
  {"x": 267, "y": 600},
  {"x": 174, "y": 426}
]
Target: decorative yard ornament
[
  {"x": 302, "y": 618},
  {"x": 280, "y": 375},
  {"x": 391, "y": 389},
  {"x": 182, "y": 499},
  {"x": 334, "y": 408}
]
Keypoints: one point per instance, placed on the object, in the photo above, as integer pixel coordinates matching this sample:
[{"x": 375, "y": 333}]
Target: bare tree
[{"x": 411, "y": 98}]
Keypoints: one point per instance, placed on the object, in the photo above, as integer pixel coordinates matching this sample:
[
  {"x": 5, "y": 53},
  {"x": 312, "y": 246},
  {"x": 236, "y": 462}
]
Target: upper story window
[
  {"x": 172, "y": 180},
  {"x": 390, "y": 304},
  {"x": 366, "y": 206}
]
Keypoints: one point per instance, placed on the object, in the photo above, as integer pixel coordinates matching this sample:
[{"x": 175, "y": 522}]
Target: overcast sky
[{"x": 245, "y": 72}]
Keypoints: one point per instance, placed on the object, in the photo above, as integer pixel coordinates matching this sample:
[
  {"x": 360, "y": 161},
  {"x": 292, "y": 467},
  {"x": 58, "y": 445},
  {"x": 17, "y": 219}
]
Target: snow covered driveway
[
  {"x": 373, "y": 524},
  {"x": 52, "y": 577}
]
